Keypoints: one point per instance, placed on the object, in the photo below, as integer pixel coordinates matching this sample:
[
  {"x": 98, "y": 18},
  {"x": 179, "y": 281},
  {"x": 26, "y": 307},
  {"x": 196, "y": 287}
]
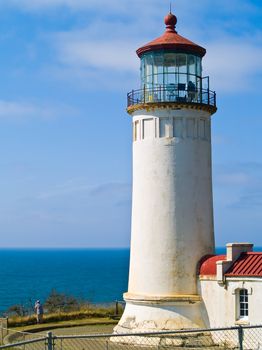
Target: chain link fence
[
  {"x": 11, "y": 338},
  {"x": 3, "y": 328},
  {"x": 234, "y": 338}
]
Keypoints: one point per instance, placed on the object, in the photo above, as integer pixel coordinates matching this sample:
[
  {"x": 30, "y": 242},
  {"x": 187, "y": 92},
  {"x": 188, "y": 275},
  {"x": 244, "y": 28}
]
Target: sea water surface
[{"x": 95, "y": 275}]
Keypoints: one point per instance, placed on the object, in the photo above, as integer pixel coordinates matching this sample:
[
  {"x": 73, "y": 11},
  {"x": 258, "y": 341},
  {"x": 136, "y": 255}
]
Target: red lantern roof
[{"x": 170, "y": 40}]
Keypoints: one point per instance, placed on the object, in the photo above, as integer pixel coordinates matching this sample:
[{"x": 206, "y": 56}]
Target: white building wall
[{"x": 221, "y": 301}]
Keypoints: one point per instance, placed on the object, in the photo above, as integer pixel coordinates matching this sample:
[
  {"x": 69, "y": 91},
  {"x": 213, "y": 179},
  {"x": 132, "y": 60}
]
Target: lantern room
[
  {"x": 171, "y": 71},
  {"x": 170, "y": 68}
]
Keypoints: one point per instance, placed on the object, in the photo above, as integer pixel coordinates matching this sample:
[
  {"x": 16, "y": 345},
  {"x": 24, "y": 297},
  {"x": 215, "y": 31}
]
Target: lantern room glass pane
[
  {"x": 192, "y": 64},
  {"x": 181, "y": 63},
  {"x": 198, "y": 66},
  {"x": 170, "y": 68}
]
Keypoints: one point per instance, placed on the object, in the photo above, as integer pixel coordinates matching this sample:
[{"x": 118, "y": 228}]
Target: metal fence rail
[
  {"x": 172, "y": 93},
  {"x": 242, "y": 338},
  {"x": 28, "y": 344}
]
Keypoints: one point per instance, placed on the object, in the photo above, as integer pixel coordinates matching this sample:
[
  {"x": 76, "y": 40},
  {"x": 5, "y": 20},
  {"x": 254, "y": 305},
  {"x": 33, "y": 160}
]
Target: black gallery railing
[{"x": 172, "y": 93}]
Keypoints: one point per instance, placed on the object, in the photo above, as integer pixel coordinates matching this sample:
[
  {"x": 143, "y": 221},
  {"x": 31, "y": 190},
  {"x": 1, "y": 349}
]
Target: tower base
[{"x": 151, "y": 313}]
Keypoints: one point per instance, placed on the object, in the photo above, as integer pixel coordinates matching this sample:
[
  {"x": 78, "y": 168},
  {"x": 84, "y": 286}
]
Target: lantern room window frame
[{"x": 164, "y": 68}]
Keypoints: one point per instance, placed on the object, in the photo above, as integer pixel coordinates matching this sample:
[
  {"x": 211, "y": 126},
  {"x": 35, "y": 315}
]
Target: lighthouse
[{"x": 172, "y": 205}]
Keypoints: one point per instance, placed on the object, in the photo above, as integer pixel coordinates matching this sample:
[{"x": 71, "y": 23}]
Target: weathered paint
[
  {"x": 163, "y": 316},
  {"x": 172, "y": 218},
  {"x": 221, "y": 301},
  {"x": 151, "y": 106}
]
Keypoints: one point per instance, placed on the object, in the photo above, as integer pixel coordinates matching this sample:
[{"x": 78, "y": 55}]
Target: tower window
[
  {"x": 148, "y": 128},
  {"x": 136, "y": 130},
  {"x": 164, "y": 126},
  {"x": 202, "y": 128},
  {"x": 190, "y": 127},
  {"x": 243, "y": 304},
  {"x": 178, "y": 127}
]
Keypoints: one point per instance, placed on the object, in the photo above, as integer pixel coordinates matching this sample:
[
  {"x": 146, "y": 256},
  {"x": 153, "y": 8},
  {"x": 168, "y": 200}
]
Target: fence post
[
  {"x": 24, "y": 340},
  {"x": 240, "y": 337},
  {"x": 49, "y": 341},
  {"x": 116, "y": 311}
]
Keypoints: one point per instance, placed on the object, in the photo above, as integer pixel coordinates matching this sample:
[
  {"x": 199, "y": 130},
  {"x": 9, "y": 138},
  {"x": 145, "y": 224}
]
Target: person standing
[{"x": 39, "y": 311}]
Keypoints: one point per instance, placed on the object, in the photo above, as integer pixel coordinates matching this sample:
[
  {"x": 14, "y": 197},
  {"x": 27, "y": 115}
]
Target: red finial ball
[{"x": 170, "y": 22}]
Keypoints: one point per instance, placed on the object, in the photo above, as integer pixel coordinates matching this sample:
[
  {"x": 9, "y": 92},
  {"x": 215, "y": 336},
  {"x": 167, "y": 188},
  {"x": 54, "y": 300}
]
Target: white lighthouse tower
[{"x": 172, "y": 210}]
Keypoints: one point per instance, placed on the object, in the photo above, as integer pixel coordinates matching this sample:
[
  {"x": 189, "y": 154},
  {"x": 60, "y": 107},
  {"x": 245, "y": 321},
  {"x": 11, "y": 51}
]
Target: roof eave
[
  {"x": 246, "y": 276},
  {"x": 185, "y": 48}
]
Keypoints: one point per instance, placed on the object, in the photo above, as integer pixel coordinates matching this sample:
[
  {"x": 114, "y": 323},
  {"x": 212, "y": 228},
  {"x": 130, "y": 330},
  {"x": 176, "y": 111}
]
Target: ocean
[{"x": 94, "y": 275}]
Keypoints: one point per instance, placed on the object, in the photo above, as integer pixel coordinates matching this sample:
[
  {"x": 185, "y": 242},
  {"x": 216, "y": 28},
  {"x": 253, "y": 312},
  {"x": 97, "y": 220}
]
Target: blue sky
[{"x": 65, "y": 138}]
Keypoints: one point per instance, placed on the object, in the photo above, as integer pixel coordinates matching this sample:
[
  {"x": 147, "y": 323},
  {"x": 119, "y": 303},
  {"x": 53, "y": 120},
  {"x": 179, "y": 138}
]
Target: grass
[
  {"x": 98, "y": 322},
  {"x": 90, "y": 315}
]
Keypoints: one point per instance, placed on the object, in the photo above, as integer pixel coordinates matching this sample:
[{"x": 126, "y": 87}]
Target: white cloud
[
  {"x": 252, "y": 200},
  {"x": 102, "y": 44},
  {"x": 66, "y": 189},
  {"x": 233, "y": 64},
  {"x": 104, "y": 50},
  {"x": 114, "y": 54},
  {"x": 234, "y": 179},
  {"x": 112, "y": 190},
  {"x": 19, "y": 110},
  {"x": 238, "y": 186},
  {"x": 120, "y": 6},
  {"x": 239, "y": 175},
  {"x": 114, "y": 6},
  {"x": 90, "y": 59}
]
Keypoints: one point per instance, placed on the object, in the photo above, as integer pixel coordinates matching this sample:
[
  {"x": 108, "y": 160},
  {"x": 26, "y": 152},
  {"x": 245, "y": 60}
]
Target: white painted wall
[
  {"x": 172, "y": 219},
  {"x": 221, "y": 301},
  {"x": 160, "y": 316},
  {"x": 172, "y": 212}
]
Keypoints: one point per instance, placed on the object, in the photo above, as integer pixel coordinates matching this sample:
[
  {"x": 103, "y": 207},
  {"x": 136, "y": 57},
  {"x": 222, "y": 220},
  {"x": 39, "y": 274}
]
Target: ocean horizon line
[
  {"x": 220, "y": 247},
  {"x": 65, "y": 248}
]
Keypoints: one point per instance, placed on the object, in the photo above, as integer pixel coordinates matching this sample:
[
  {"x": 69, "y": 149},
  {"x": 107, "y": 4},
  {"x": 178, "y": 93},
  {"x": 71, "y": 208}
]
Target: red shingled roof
[
  {"x": 170, "y": 40},
  {"x": 248, "y": 264},
  {"x": 207, "y": 265}
]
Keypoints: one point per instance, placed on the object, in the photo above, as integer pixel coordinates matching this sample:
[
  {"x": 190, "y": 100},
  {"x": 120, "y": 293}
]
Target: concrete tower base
[{"x": 145, "y": 314}]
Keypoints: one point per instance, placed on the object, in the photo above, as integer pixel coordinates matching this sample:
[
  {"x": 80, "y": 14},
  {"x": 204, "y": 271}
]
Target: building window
[{"x": 243, "y": 304}]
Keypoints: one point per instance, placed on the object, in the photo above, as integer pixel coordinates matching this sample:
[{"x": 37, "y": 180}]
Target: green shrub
[{"x": 57, "y": 302}]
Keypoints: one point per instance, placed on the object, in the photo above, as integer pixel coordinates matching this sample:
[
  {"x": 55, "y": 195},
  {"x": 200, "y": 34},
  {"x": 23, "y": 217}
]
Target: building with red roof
[{"x": 231, "y": 286}]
